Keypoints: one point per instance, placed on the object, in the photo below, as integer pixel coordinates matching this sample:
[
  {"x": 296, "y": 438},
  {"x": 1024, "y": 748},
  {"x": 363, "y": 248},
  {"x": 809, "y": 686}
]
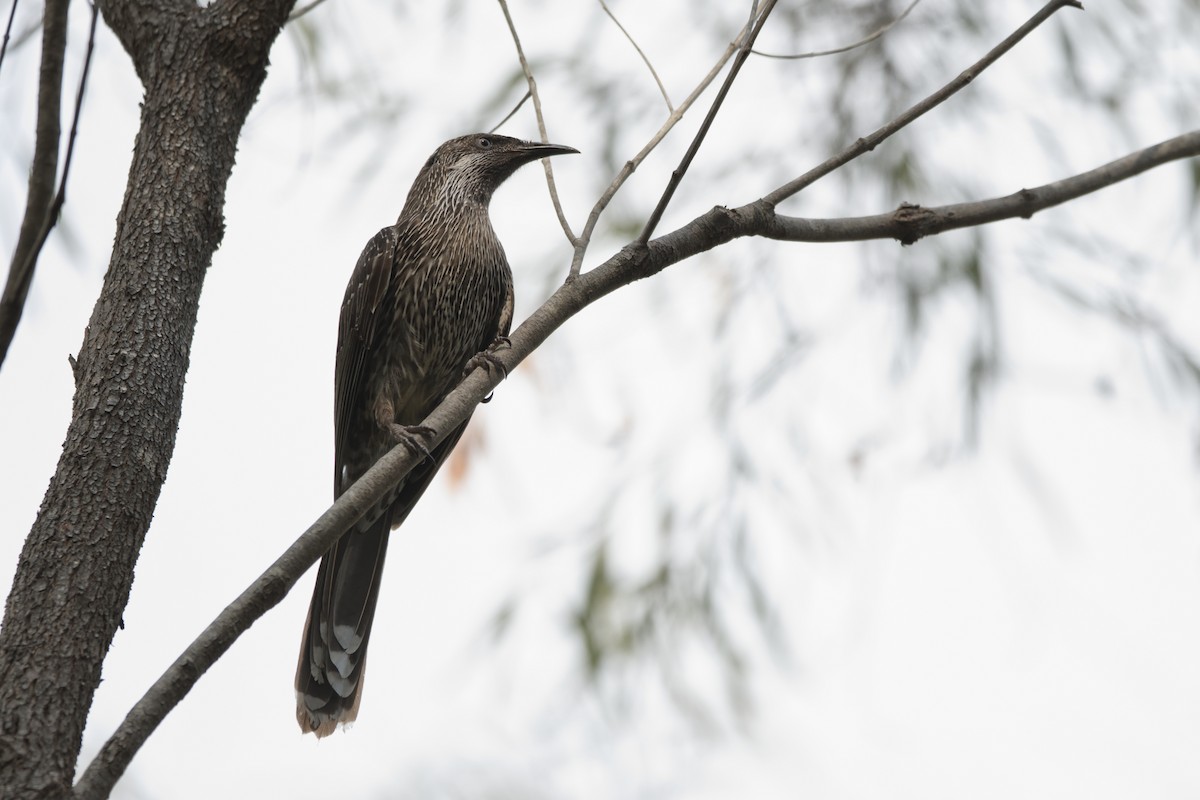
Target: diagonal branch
[
  {"x": 873, "y": 140},
  {"x": 40, "y": 195}
]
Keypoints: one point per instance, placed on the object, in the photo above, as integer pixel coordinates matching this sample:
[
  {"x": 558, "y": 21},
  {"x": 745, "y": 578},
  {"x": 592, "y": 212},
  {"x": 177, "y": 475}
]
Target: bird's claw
[
  {"x": 487, "y": 358},
  {"x": 409, "y": 436},
  {"x": 488, "y": 361}
]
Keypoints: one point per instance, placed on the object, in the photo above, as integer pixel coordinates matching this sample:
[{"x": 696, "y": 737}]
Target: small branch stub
[{"x": 912, "y": 219}]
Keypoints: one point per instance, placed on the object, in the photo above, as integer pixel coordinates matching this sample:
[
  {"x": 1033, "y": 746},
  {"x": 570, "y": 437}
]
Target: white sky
[{"x": 1022, "y": 621}]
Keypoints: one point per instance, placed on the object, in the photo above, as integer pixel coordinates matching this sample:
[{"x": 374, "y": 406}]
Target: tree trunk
[{"x": 201, "y": 69}]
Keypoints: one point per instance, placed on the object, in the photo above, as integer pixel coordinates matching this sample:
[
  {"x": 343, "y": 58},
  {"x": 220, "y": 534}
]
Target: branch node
[
  {"x": 1030, "y": 197},
  {"x": 911, "y": 219}
]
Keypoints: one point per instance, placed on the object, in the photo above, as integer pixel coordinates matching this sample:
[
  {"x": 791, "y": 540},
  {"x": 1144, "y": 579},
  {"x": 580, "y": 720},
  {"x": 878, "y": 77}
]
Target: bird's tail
[
  {"x": 329, "y": 677},
  {"x": 333, "y": 654}
]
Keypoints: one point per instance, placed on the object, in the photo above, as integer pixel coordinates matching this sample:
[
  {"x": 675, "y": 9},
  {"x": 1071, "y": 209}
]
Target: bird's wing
[{"x": 359, "y": 329}]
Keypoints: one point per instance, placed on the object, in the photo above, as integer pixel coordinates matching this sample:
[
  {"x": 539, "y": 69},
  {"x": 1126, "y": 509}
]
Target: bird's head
[{"x": 469, "y": 168}]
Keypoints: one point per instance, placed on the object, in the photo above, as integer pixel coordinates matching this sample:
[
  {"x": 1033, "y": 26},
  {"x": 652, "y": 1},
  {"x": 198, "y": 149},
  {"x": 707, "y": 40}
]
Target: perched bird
[{"x": 428, "y": 295}]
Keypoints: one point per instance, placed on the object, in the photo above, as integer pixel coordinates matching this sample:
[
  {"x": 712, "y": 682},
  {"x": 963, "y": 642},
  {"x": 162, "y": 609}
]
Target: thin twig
[
  {"x": 12, "y": 14},
  {"x": 698, "y": 139},
  {"x": 632, "y": 164},
  {"x": 537, "y": 108},
  {"x": 873, "y": 140},
  {"x": 649, "y": 66},
  {"x": 867, "y": 40},
  {"x": 300, "y": 12},
  {"x": 510, "y": 114}
]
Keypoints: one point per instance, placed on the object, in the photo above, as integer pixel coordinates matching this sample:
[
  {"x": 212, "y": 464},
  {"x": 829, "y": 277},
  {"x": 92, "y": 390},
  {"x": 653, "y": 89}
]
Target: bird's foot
[
  {"x": 410, "y": 436},
  {"x": 487, "y": 358}
]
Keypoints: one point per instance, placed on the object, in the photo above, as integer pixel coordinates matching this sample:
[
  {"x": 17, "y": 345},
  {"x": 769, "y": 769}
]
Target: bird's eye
[{"x": 484, "y": 142}]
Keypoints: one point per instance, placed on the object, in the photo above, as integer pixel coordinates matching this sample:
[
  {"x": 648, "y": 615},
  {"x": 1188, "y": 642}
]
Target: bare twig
[
  {"x": 866, "y": 40},
  {"x": 698, "y": 139},
  {"x": 510, "y": 114},
  {"x": 300, "y": 12},
  {"x": 873, "y": 140},
  {"x": 649, "y": 66},
  {"x": 40, "y": 196},
  {"x": 632, "y": 164},
  {"x": 12, "y": 14},
  {"x": 537, "y": 108}
]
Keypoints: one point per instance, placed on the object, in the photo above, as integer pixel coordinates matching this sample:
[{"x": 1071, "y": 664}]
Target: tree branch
[
  {"x": 910, "y": 223},
  {"x": 636, "y": 261},
  {"x": 873, "y": 140},
  {"x": 42, "y": 172}
]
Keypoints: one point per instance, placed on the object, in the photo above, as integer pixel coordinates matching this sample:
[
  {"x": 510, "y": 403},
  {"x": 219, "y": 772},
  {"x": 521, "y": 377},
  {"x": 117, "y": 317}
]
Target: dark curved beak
[{"x": 544, "y": 150}]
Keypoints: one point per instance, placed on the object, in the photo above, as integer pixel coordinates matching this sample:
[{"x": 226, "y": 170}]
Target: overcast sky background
[{"x": 1020, "y": 620}]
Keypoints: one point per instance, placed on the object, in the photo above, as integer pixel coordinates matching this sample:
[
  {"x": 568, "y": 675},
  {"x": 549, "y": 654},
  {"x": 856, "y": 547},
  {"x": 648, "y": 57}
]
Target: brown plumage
[{"x": 426, "y": 296}]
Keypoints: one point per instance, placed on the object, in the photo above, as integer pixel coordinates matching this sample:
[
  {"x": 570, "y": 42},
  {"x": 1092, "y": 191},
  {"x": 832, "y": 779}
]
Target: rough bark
[{"x": 202, "y": 69}]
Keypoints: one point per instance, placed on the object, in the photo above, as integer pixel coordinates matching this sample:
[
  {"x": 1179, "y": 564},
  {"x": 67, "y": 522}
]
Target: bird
[{"x": 430, "y": 298}]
